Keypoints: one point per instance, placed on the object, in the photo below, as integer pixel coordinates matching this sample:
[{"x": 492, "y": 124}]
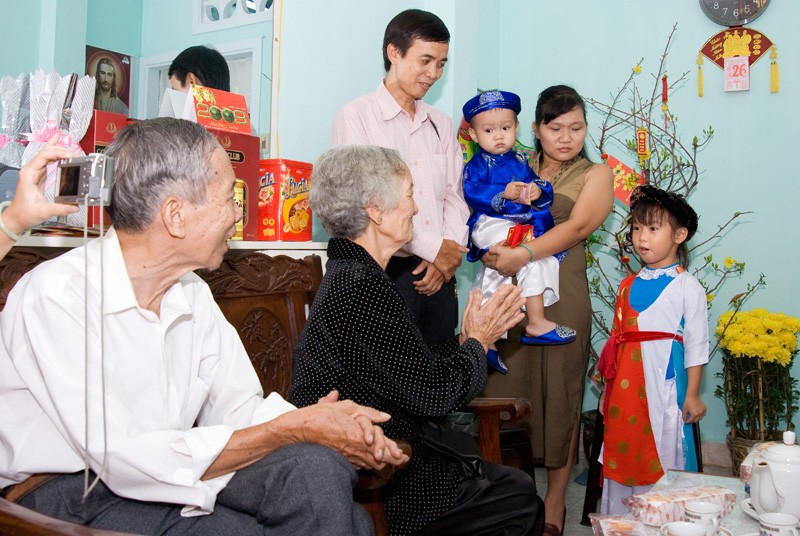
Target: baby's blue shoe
[
  {"x": 560, "y": 335},
  {"x": 494, "y": 361}
]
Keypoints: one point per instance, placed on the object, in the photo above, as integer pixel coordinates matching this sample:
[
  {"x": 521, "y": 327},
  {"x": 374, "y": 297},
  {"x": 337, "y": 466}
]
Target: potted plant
[{"x": 759, "y": 392}]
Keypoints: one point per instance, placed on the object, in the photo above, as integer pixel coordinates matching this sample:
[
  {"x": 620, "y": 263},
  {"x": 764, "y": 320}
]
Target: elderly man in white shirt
[{"x": 178, "y": 428}]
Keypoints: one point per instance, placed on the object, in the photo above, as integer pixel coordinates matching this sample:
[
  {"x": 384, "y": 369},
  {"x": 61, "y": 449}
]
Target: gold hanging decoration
[
  {"x": 773, "y": 70},
  {"x": 738, "y": 41},
  {"x": 699, "y": 74}
]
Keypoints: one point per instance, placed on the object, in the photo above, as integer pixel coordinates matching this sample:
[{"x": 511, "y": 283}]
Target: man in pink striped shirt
[{"x": 415, "y": 48}]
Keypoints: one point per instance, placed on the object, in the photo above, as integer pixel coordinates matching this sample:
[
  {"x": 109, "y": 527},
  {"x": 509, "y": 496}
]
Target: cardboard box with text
[{"x": 284, "y": 213}]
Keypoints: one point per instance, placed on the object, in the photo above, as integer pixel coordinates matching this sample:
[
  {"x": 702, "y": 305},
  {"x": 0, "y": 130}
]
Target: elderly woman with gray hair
[{"x": 361, "y": 340}]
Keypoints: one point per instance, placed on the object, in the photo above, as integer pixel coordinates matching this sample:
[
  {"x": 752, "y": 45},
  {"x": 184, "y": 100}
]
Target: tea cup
[
  {"x": 777, "y": 524},
  {"x": 683, "y": 528},
  {"x": 705, "y": 514}
]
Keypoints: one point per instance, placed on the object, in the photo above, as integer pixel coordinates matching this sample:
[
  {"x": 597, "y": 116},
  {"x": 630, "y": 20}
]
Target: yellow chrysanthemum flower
[{"x": 758, "y": 333}]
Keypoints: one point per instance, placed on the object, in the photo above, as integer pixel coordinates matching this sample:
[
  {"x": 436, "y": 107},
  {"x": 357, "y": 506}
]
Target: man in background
[
  {"x": 202, "y": 66},
  {"x": 415, "y": 47}
]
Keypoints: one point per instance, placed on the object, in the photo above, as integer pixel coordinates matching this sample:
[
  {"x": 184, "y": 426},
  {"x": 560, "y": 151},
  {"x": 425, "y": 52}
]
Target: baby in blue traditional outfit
[{"x": 503, "y": 190}]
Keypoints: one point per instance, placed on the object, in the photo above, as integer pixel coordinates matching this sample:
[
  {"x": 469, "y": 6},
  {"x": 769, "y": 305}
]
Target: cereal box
[{"x": 284, "y": 213}]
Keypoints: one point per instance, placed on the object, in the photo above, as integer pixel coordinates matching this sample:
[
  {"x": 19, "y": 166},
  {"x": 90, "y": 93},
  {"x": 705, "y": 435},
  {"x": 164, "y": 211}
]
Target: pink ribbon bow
[
  {"x": 44, "y": 134},
  {"x": 7, "y": 139}
]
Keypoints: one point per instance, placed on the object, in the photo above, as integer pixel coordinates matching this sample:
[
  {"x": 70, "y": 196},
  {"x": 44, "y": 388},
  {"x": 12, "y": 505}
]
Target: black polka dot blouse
[{"x": 361, "y": 339}]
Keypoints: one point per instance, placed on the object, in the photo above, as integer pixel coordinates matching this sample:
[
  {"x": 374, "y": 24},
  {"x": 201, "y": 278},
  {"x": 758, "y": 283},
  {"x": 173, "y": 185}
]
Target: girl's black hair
[{"x": 650, "y": 204}]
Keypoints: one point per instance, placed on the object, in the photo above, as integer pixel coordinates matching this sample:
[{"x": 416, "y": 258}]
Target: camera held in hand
[{"x": 85, "y": 180}]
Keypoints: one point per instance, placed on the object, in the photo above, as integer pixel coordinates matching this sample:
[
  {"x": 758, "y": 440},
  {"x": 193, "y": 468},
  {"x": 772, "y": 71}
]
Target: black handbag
[{"x": 455, "y": 446}]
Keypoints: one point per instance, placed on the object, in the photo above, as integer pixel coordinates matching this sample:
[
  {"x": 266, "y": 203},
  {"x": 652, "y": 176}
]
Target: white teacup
[
  {"x": 705, "y": 514},
  {"x": 777, "y": 524},
  {"x": 683, "y": 528}
]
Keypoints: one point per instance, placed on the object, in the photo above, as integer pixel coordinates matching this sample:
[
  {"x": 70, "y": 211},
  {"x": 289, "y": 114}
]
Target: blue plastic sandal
[
  {"x": 494, "y": 361},
  {"x": 560, "y": 335}
]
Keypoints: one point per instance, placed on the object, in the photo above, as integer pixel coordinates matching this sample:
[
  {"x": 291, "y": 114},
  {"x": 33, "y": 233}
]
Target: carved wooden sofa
[{"x": 267, "y": 300}]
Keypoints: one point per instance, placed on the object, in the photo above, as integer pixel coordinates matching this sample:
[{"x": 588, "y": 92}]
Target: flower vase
[{"x": 760, "y": 397}]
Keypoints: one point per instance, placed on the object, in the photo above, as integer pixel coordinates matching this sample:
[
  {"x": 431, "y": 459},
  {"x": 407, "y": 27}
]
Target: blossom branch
[{"x": 738, "y": 301}]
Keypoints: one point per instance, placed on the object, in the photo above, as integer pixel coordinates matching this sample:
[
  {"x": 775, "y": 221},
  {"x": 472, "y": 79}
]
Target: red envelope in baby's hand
[{"x": 518, "y": 234}]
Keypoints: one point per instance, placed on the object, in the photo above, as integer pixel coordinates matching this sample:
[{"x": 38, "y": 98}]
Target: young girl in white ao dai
[{"x": 654, "y": 360}]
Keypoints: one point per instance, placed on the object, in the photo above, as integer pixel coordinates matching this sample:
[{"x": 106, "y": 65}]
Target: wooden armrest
[
  {"x": 507, "y": 409},
  {"x": 374, "y": 479},
  {"x": 491, "y": 411},
  {"x": 16, "y": 519}
]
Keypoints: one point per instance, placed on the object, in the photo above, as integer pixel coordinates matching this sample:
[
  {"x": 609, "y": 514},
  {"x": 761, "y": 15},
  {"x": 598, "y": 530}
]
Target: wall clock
[{"x": 733, "y": 12}]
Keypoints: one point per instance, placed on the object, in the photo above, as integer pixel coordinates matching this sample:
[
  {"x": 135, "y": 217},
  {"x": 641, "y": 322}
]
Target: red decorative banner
[
  {"x": 625, "y": 179},
  {"x": 736, "y": 42}
]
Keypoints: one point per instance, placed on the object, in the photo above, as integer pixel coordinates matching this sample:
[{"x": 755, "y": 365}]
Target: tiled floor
[{"x": 575, "y": 496}]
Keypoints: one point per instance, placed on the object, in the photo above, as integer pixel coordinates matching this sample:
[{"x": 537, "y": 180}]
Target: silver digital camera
[{"x": 85, "y": 180}]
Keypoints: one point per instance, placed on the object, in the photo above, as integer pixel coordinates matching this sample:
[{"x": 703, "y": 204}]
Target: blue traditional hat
[{"x": 489, "y": 100}]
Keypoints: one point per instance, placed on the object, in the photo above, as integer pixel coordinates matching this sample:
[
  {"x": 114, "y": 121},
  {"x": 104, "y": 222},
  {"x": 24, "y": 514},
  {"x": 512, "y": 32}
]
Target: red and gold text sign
[{"x": 736, "y": 42}]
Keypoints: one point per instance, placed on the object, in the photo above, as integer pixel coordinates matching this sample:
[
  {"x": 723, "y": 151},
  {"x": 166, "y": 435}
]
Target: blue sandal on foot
[
  {"x": 494, "y": 361},
  {"x": 560, "y": 335}
]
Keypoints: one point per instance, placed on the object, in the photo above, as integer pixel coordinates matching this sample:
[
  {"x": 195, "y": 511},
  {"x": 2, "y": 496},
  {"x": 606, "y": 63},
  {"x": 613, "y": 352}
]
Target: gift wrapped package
[
  {"x": 14, "y": 100},
  {"x": 60, "y": 106},
  {"x": 746, "y": 467},
  {"x": 615, "y": 526},
  {"x": 659, "y": 507}
]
